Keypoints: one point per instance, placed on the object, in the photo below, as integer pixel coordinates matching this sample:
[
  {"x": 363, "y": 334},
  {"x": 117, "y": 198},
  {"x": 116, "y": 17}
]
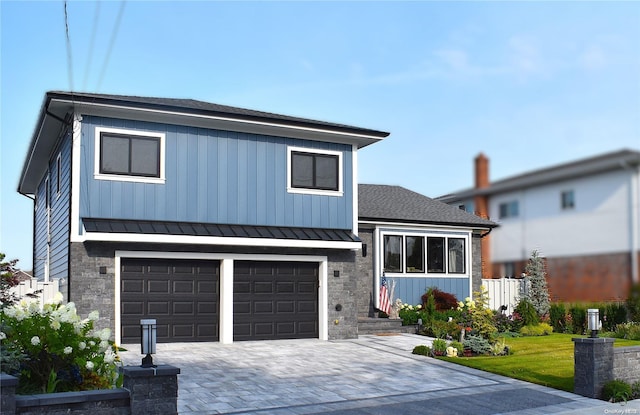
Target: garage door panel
[
  {"x": 182, "y": 295},
  {"x": 267, "y": 300},
  {"x": 158, "y": 287},
  {"x": 158, "y": 308}
]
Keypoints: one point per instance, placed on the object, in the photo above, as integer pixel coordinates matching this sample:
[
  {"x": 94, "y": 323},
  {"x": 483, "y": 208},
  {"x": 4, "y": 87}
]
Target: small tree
[
  {"x": 7, "y": 281},
  {"x": 536, "y": 291}
]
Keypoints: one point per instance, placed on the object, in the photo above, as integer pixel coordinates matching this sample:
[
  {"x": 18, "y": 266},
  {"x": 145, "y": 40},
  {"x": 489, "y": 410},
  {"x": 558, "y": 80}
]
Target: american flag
[{"x": 385, "y": 304}]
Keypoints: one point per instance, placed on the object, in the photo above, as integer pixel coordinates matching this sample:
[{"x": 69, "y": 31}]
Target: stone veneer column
[
  {"x": 8, "y": 386},
  {"x": 593, "y": 365},
  {"x": 154, "y": 390}
]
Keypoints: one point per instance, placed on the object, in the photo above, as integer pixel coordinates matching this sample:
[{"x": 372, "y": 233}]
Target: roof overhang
[
  {"x": 57, "y": 106},
  {"x": 373, "y": 222}
]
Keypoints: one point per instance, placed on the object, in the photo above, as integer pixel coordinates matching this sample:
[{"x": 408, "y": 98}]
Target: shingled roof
[{"x": 397, "y": 204}]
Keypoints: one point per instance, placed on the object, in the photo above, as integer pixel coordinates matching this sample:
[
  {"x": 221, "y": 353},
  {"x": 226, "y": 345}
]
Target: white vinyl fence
[
  {"x": 503, "y": 292},
  {"x": 46, "y": 289}
]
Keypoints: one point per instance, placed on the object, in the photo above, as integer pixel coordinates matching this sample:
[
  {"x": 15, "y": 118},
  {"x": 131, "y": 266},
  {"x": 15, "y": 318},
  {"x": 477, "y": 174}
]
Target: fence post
[
  {"x": 8, "y": 386},
  {"x": 593, "y": 358},
  {"x": 153, "y": 390}
]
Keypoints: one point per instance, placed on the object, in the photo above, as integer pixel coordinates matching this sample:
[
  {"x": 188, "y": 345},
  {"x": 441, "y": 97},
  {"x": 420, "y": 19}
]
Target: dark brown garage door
[
  {"x": 182, "y": 295},
  {"x": 275, "y": 300}
]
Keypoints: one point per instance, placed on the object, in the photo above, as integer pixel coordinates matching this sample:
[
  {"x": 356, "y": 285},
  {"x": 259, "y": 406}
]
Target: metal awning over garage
[{"x": 121, "y": 226}]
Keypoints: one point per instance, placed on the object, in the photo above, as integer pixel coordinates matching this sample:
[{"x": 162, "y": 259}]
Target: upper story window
[
  {"x": 414, "y": 254},
  {"x": 567, "y": 200},
  {"x": 129, "y": 155},
  {"x": 508, "y": 209},
  {"x": 314, "y": 171}
]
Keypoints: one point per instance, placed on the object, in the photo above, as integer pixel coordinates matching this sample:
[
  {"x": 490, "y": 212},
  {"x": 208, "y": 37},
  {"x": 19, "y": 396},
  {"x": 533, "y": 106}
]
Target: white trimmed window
[
  {"x": 314, "y": 171},
  {"x": 424, "y": 253},
  {"x": 129, "y": 155}
]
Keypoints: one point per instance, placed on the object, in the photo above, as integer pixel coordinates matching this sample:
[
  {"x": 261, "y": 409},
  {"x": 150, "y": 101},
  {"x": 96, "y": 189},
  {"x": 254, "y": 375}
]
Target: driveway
[{"x": 370, "y": 375}]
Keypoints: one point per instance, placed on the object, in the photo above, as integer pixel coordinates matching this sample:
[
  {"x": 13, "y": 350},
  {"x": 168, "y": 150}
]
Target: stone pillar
[
  {"x": 154, "y": 390},
  {"x": 593, "y": 365},
  {"x": 8, "y": 386}
]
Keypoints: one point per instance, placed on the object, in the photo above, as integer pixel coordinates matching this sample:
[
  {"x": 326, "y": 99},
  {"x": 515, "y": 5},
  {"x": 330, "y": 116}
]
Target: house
[
  {"x": 222, "y": 223},
  {"x": 417, "y": 243},
  {"x": 582, "y": 216}
]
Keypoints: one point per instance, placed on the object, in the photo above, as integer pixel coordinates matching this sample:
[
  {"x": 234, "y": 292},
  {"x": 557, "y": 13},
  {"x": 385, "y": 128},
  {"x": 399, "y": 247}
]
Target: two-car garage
[{"x": 271, "y": 299}]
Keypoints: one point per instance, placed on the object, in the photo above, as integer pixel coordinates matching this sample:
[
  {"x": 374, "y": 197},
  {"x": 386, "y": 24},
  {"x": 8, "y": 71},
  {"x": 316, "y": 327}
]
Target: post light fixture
[
  {"x": 419, "y": 326},
  {"x": 593, "y": 321},
  {"x": 148, "y": 331}
]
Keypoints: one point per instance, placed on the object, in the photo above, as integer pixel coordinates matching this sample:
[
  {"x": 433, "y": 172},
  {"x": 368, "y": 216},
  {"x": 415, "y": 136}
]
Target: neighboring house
[
  {"x": 417, "y": 242},
  {"x": 582, "y": 216},
  {"x": 222, "y": 223}
]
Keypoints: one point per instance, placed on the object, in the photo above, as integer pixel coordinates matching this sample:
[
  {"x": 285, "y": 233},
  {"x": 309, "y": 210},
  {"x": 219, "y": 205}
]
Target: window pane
[
  {"x": 145, "y": 154},
  {"x": 327, "y": 172},
  {"x": 415, "y": 254},
  {"x": 114, "y": 155},
  {"x": 567, "y": 199},
  {"x": 301, "y": 170},
  {"x": 456, "y": 256},
  {"x": 392, "y": 253},
  {"x": 435, "y": 254}
]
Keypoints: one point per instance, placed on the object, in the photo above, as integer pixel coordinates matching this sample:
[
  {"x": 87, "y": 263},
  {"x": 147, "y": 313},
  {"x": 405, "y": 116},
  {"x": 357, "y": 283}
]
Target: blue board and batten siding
[
  {"x": 53, "y": 229},
  {"x": 410, "y": 289},
  {"x": 215, "y": 176}
]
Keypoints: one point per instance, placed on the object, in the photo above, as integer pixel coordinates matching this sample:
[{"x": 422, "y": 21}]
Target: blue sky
[{"x": 530, "y": 84}]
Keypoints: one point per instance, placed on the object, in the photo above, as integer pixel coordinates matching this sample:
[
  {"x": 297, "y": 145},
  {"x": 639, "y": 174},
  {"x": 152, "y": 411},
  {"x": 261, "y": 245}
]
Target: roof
[
  {"x": 216, "y": 230},
  {"x": 616, "y": 160},
  {"x": 397, "y": 204},
  {"x": 57, "y": 105}
]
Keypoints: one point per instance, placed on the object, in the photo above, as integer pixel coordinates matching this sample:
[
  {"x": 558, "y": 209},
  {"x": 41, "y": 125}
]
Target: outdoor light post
[
  {"x": 419, "y": 326},
  {"x": 593, "y": 321},
  {"x": 148, "y": 341}
]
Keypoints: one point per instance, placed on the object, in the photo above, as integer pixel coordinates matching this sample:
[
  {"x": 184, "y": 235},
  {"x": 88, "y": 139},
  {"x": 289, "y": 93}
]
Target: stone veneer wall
[
  {"x": 476, "y": 266},
  {"x": 93, "y": 290},
  {"x": 364, "y": 269},
  {"x": 626, "y": 363}
]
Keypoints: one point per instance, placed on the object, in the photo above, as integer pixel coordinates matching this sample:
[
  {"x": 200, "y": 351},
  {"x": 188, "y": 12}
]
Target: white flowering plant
[
  {"x": 53, "y": 350},
  {"x": 410, "y": 313}
]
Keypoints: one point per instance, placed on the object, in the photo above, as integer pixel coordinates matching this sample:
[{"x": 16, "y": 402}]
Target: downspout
[{"x": 634, "y": 219}]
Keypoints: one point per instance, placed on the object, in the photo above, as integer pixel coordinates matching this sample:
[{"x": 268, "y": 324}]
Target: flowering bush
[
  {"x": 477, "y": 317},
  {"x": 53, "y": 350},
  {"x": 410, "y": 314}
]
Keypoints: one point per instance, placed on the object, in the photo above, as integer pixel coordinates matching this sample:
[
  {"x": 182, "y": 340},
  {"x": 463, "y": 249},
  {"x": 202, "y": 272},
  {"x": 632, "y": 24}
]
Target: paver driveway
[{"x": 373, "y": 374}]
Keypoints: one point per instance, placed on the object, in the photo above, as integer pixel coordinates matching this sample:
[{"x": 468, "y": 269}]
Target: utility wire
[
  {"x": 112, "y": 41},
  {"x": 68, "y": 41},
  {"x": 91, "y": 45}
]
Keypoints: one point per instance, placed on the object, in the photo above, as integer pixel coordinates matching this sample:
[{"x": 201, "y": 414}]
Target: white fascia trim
[
  {"x": 218, "y": 118},
  {"x": 226, "y": 294},
  {"x": 421, "y": 225},
  {"x": 291, "y": 189},
  {"x": 76, "y": 157},
  {"x": 122, "y": 177},
  {"x": 216, "y": 240}
]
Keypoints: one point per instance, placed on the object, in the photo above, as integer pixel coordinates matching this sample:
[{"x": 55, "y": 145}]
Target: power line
[
  {"x": 112, "y": 41},
  {"x": 91, "y": 45},
  {"x": 68, "y": 41}
]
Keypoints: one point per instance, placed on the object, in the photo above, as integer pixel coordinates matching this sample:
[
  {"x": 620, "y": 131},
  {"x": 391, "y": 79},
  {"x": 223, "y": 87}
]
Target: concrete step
[{"x": 382, "y": 325}]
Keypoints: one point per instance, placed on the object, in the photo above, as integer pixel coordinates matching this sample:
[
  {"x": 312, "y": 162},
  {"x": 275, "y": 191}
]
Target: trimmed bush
[
  {"x": 541, "y": 329},
  {"x": 633, "y": 303},
  {"x": 527, "y": 312},
  {"x": 422, "y": 350},
  {"x": 477, "y": 345},
  {"x": 578, "y": 315},
  {"x": 557, "y": 313},
  {"x": 616, "y": 391}
]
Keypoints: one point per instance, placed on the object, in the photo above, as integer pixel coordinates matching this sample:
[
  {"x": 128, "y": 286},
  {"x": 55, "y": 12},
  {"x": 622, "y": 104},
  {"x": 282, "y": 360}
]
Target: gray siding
[
  {"x": 215, "y": 177},
  {"x": 40, "y": 232}
]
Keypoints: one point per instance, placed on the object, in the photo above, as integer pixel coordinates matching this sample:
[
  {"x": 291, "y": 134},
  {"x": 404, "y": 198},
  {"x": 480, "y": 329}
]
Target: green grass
[{"x": 544, "y": 360}]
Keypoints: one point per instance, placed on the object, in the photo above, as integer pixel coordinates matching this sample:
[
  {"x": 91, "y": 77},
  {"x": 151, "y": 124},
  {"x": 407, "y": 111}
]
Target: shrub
[
  {"x": 540, "y": 329},
  {"x": 635, "y": 390},
  {"x": 527, "y": 312},
  {"x": 630, "y": 330},
  {"x": 557, "y": 313},
  {"x": 499, "y": 348},
  {"x": 615, "y": 313},
  {"x": 477, "y": 316},
  {"x": 443, "y": 300},
  {"x": 443, "y": 329},
  {"x": 53, "y": 350},
  {"x": 633, "y": 303},
  {"x": 439, "y": 347},
  {"x": 410, "y": 314},
  {"x": 578, "y": 318},
  {"x": 422, "y": 350},
  {"x": 616, "y": 391},
  {"x": 477, "y": 344}
]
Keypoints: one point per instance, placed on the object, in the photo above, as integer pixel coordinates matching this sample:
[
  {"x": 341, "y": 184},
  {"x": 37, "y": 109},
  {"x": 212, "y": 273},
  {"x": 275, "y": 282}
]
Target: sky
[{"x": 529, "y": 84}]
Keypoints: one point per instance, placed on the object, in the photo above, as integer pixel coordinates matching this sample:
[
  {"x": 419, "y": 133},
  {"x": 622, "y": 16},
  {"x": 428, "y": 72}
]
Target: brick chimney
[{"x": 481, "y": 203}]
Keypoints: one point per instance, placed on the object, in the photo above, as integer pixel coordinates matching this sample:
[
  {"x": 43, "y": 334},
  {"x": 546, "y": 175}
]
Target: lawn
[{"x": 544, "y": 360}]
